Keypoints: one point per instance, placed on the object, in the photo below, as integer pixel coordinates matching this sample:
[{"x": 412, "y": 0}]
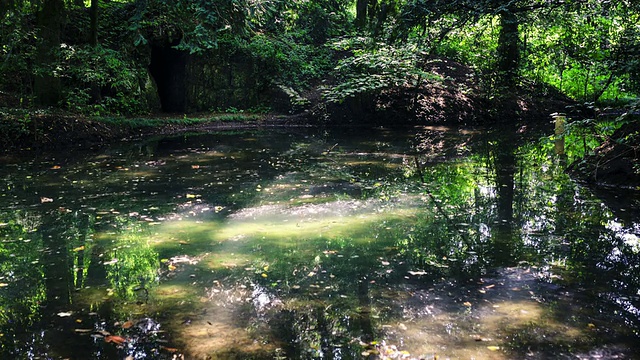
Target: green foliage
[
  {"x": 589, "y": 50},
  {"x": 17, "y": 50},
  {"x": 99, "y": 80},
  {"x": 372, "y": 69},
  {"x": 285, "y": 60},
  {"x": 583, "y": 54}
]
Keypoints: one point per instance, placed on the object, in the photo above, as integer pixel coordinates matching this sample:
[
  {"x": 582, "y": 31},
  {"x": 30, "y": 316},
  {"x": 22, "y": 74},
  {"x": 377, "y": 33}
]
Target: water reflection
[{"x": 437, "y": 243}]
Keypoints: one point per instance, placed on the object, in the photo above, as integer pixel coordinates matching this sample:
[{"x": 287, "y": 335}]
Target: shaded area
[
  {"x": 615, "y": 162},
  {"x": 168, "y": 68}
]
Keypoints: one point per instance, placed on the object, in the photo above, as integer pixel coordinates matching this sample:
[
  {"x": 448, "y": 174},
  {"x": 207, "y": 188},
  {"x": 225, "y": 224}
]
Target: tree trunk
[
  {"x": 508, "y": 49},
  {"x": 361, "y": 14},
  {"x": 93, "y": 32},
  {"x": 47, "y": 86},
  {"x": 93, "y": 41},
  {"x": 372, "y": 10}
]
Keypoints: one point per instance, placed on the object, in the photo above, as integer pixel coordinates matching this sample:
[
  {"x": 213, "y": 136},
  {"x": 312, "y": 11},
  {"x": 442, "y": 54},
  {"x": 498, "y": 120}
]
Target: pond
[{"x": 432, "y": 243}]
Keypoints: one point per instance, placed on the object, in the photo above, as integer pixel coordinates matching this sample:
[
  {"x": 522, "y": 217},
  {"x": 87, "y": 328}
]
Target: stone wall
[{"x": 218, "y": 81}]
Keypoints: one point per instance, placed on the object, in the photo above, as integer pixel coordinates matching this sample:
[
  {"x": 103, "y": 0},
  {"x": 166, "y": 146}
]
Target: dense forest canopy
[{"x": 101, "y": 56}]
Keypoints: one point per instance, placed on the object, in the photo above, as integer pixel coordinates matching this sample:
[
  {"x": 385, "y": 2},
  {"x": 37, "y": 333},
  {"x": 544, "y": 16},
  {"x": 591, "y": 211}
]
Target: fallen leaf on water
[
  {"x": 169, "y": 349},
  {"x": 493, "y": 348},
  {"x": 172, "y": 267},
  {"x": 55, "y": 167},
  {"x": 127, "y": 324},
  {"x": 467, "y": 304},
  {"x": 119, "y": 340},
  {"x": 417, "y": 273},
  {"x": 102, "y": 333}
]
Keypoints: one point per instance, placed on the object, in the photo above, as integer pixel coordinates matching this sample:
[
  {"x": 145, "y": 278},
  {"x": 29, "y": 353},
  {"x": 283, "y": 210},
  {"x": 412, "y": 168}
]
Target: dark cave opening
[{"x": 168, "y": 69}]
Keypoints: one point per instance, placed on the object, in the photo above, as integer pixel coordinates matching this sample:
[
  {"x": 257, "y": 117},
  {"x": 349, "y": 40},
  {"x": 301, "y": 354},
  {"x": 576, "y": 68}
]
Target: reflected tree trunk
[
  {"x": 57, "y": 264},
  {"x": 504, "y": 246},
  {"x": 364, "y": 318}
]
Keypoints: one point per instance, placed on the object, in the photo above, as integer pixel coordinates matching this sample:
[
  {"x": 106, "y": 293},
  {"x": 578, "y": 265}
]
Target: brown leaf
[
  {"x": 127, "y": 324},
  {"x": 118, "y": 340},
  {"x": 168, "y": 349}
]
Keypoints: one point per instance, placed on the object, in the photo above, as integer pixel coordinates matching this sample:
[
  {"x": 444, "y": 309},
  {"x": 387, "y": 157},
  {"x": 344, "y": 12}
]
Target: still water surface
[{"x": 431, "y": 243}]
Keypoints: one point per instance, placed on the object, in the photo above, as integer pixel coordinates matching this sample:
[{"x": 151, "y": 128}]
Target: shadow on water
[{"x": 437, "y": 243}]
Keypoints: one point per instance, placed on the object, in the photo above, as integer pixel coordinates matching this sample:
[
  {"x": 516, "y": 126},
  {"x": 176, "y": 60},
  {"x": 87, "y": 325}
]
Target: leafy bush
[
  {"x": 17, "y": 50},
  {"x": 100, "y": 80},
  {"x": 286, "y": 61},
  {"x": 371, "y": 69}
]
